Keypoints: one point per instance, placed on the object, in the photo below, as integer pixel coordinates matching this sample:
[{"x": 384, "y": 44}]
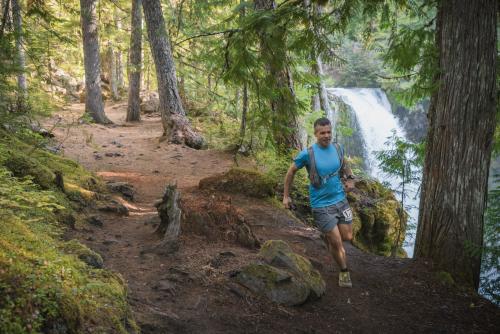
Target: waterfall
[{"x": 376, "y": 123}]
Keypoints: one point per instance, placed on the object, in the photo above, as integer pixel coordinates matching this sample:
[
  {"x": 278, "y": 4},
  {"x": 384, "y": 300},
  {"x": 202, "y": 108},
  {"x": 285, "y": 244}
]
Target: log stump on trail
[{"x": 170, "y": 216}]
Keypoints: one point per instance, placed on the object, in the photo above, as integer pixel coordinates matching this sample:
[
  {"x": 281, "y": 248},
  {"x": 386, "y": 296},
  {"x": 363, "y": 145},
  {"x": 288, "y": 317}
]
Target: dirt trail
[{"x": 189, "y": 292}]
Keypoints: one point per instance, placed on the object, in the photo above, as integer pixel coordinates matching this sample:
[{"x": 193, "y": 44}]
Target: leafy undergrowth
[{"x": 44, "y": 285}]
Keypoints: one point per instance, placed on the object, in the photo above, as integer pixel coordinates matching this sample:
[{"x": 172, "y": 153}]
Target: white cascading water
[{"x": 377, "y": 123}]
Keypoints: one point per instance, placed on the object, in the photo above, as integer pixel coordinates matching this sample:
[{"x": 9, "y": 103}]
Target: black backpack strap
[
  {"x": 313, "y": 172},
  {"x": 340, "y": 153}
]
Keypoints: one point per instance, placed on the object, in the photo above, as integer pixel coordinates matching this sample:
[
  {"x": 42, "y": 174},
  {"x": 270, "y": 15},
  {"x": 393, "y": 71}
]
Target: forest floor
[{"x": 192, "y": 291}]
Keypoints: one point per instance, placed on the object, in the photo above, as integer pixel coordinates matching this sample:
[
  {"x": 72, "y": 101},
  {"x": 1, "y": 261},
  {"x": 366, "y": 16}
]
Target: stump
[{"x": 170, "y": 216}]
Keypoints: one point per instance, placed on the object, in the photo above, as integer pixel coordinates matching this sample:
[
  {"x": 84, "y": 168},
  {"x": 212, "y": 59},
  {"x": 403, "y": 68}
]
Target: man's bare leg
[
  {"x": 345, "y": 231},
  {"x": 336, "y": 247}
]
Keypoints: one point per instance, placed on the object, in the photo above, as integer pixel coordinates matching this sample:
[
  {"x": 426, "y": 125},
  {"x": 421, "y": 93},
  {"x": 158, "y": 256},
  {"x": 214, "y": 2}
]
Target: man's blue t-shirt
[{"x": 327, "y": 162}]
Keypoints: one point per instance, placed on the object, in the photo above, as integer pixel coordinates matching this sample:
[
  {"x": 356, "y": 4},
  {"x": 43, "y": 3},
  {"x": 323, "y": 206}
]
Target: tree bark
[
  {"x": 170, "y": 215},
  {"x": 317, "y": 66},
  {"x": 113, "y": 76},
  {"x": 20, "y": 56},
  {"x": 176, "y": 126},
  {"x": 135, "y": 60},
  {"x": 285, "y": 125},
  {"x": 322, "y": 92},
  {"x": 244, "y": 111},
  {"x": 93, "y": 97},
  {"x": 460, "y": 137},
  {"x": 6, "y": 18},
  {"x": 118, "y": 56}
]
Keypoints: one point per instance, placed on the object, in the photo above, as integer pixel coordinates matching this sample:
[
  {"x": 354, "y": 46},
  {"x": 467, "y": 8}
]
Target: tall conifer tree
[
  {"x": 93, "y": 98},
  {"x": 176, "y": 126},
  {"x": 460, "y": 137}
]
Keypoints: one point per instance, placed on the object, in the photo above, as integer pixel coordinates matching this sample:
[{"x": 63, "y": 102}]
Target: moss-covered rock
[
  {"x": 286, "y": 277},
  {"x": 276, "y": 284},
  {"x": 279, "y": 254},
  {"x": 84, "y": 253},
  {"x": 237, "y": 180},
  {"x": 23, "y": 166},
  {"x": 379, "y": 225}
]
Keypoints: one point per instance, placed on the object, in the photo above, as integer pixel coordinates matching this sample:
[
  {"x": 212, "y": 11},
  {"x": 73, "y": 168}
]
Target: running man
[{"x": 331, "y": 211}]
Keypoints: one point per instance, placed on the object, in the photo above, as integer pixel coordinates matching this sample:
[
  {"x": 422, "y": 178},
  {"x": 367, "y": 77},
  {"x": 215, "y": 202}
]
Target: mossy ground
[
  {"x": 44, "y": 285},
  {"x": 238, "y": 180}
]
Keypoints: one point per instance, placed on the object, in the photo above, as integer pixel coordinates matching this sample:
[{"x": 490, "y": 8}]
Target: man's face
[{"x": 323, "y": 134}]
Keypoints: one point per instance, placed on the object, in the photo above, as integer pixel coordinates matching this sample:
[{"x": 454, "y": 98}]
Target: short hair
[{"x": 322, "y": 122}]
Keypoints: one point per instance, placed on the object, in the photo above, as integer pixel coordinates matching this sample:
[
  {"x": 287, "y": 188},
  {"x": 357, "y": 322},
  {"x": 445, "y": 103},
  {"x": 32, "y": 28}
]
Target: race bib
[{"x": 347, "y": 214}]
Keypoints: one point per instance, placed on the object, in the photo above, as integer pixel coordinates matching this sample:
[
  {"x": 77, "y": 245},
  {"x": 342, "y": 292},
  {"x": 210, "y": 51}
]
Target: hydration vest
[{"x": 317, "y": 180}]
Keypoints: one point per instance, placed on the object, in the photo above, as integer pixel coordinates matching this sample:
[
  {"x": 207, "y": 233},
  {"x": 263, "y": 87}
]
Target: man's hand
[{"x": 287, "y": 202}]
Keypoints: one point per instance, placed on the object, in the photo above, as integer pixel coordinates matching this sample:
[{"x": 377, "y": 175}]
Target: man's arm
[{"x": 287, "y": 201}]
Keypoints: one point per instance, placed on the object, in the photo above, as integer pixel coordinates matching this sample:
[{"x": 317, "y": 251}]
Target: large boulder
[
  {"x": 285, "y": 277},
  {"x": 150, "y": 102},
  {"x": 279, "y": 254},
  {"x": 379, "y": 224},
  {"x": 62, "y": 82},
  {"x": 276, "y": 284}
]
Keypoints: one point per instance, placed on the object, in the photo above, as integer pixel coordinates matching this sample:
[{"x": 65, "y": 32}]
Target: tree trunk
[
  {"x": 460, "y": 137},
  {"x": 244, "y": 111},
  {"x": 93, "y": 97},
  {"x": 134, "y": 77},
  {"x": 6, "y": 17},
  {"x": 118, "y": 55},
  {"x": 113, "y": 76},
  {"x": 317, "y": 66},
  {"x": 176, "y": 126},
  {"x": 20, "y": 56},
  {"x": 283, "y": 102},
  {"x": 322, "y": 92}
]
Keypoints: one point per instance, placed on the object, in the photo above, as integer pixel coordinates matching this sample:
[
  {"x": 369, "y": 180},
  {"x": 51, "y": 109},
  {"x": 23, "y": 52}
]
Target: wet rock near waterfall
[{"x": 379, "y": 225}]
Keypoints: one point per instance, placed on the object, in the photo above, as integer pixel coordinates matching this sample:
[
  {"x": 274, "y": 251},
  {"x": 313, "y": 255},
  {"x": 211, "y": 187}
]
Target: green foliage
[
  {"x": 402, "y": 160},
  {"x": 44, "y": 284},
  {"x": 362, "y": 66},
  {"x": 411, "y": 51}
]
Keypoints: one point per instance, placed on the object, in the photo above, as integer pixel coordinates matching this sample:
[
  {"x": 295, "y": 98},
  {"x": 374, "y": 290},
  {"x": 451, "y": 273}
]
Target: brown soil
[{"x": 192, "y": 290}]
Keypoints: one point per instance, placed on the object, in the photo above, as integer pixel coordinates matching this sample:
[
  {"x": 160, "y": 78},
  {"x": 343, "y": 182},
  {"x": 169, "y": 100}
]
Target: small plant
[{"x": 402, "y": 160}]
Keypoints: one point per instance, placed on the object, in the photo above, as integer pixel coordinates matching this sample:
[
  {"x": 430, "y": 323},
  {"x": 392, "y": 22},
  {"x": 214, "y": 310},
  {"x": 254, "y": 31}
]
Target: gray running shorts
[{"x": 328, "y": 217}]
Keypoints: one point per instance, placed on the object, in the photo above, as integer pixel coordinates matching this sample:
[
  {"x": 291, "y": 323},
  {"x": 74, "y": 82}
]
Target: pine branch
[{"x": 208, "y": 34}]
